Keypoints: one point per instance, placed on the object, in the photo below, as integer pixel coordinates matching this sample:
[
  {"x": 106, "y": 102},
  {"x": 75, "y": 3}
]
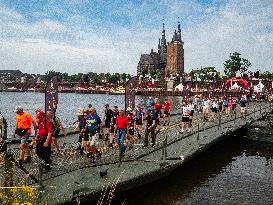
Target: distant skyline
[{"x": 109, "y": 36}]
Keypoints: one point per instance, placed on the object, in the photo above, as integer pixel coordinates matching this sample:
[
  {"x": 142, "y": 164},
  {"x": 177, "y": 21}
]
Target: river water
[
  {"x": 236, "y": 171},
  {"x": 67, "y": 107}
]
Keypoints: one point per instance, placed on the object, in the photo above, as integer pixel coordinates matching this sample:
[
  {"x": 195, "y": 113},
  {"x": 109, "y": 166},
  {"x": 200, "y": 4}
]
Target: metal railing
[{"x": 70, "y": 161}]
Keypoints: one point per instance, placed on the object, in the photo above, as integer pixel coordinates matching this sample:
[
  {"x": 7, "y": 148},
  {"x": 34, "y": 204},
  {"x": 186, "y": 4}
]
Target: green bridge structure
[{"x": 77, "y": 178}]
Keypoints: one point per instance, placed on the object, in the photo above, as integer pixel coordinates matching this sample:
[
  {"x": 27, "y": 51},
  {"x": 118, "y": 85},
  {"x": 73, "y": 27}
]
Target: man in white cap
[{"x": 23, "y": 129}]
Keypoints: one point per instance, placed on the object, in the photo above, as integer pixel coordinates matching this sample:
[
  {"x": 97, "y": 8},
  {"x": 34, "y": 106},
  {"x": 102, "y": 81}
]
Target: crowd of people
[{"x": 116, "y": 128}]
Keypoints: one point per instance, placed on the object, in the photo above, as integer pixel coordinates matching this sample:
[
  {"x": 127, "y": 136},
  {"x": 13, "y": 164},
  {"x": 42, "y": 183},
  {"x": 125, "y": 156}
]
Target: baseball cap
[
  {"x": 129, "y": 109},
  {"x": 40, "y": 114},
  {"x": 18, "y": 109}
]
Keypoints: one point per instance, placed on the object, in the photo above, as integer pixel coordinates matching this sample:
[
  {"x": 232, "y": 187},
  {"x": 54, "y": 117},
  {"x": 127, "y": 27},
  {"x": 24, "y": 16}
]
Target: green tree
[
  {"x": 235, "y": 64},
  {"x": 267, "y": 75}
]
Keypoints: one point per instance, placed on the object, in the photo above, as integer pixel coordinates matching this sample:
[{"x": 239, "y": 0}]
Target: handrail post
[
  {"x": 234, "y": 117},
  {"x": 198, "y": 130},
  {"x": 8, "y": 170},
  {"x": 220, "y": 116}
]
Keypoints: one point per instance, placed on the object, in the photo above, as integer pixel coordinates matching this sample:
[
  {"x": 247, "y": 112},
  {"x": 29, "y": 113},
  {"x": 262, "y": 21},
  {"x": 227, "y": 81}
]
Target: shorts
[
  {"x": 85, "y": 136},
  {"x": 220, "y": 108},
  {"x": 166, "y": 113},
  {"x": 56, "y": 133},
  {"x": 185, "y": 119},
  {"x": 206, "y": 109},
  {"x": 214, "y": 109},
  {"x": 112, "y": 128},
  {"x": 243, "y": 109},
  {"x": 107, "y": 124},
  {"x": 25, "y": 139},
  {"x": 226, "y": 106},
  {"x": 94, "y": 139},
  {"x": 139, "y": 121},
  {"x": 131, "y": 131},
  {"x": 233, "y": 107}
]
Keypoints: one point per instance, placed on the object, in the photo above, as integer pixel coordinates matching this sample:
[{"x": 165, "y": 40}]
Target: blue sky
[{"x": 102, "y": 35}]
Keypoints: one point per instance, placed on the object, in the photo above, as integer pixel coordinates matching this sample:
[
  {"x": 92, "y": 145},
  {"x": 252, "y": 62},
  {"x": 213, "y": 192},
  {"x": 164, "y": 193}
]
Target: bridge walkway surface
[{"x": 74, "y": 176}]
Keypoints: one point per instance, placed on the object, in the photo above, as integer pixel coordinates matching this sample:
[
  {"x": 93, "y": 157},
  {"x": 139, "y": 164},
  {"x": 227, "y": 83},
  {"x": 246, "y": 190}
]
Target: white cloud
[{"x": 210, "y": 33}]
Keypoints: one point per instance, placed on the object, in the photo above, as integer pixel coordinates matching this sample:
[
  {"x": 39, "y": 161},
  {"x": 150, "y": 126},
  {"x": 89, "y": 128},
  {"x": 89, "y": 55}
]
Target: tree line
[{"x": 90, "y": 77}]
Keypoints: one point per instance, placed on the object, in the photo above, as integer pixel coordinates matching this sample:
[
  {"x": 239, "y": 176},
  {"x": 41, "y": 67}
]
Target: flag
[{"x": 51, "y": 94}]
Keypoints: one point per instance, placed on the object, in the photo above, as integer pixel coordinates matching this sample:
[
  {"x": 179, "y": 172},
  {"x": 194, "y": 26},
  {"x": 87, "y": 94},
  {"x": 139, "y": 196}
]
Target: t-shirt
[
  {"x": 186, "y": 111},
  {"x": 93, "y": 123},
  {"x": 150, "y": 120},
  {"x": 155, "y": 113},
  {"x": 131, "y": 118},
  {"x": 243, "y": 103},
  {"x": 167, "y": 106},
  {"x": 214, "y": 105},
  {"x": 108, "y": 115},
  {"x": 149, "y": 104},
  {"x": 122, "y": 122},
  {"x": 115, "y": 114},
  {"x": 44, "y": 127},
  {"x": 139, "y": 113},
  {"x": 158, "y": 106},
  {"x": 56, "y": 123},
  {"x": 24, "y": 121}
]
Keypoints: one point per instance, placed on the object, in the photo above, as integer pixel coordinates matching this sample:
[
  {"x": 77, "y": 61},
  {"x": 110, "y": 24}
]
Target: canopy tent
[
  {"x": 238, "y": 82},
  {"x": 259, "y": 88},
  {"x": 179, "y": 87}
]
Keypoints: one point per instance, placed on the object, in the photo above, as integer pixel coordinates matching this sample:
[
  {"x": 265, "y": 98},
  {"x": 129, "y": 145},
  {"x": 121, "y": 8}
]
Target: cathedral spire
[
  {"x": 179, "y": 30},
  {"x": 163, "y": 46}
]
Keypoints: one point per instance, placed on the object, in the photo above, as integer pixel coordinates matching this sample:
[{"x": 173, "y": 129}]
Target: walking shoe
[
  {"x": 182, "y": 130},
  {"x": 188, "y": 130},
  {"x": 27, "y": 160}
]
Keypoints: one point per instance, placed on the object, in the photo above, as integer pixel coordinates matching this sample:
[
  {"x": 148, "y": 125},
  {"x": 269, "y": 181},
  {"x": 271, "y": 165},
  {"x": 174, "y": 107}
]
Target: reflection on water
[
  {"x": 68, "y": 104},
  {"x": 236, "y": 171}
]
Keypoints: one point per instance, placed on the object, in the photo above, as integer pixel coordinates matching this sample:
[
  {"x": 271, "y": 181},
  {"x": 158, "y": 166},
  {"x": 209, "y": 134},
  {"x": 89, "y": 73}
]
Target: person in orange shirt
[{"x": 23, "y": 130}]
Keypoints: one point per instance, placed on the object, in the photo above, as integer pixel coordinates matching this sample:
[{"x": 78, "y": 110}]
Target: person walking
[
  {"x": 24, "y": 121},
  {"x": 139, "y": 113},
  {"x": 185, "y": 117},
  {"x": 108, "y": 114},
  {"x": 92, "y": 128},
  {"x": 150, "y": 128},
  {"x": 44, "y": 139},
  {"x": 243, "y": 105},
  {"x": 113, "y": 124},
  {"x": 57, "y": 127},
  {"x": 122, "y": 127},
  {"x": 167, "y": 112}
]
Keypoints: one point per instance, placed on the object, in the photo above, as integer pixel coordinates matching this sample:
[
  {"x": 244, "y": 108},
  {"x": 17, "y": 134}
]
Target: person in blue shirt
[
  {"x": 149, "y": 103},
  {"x": 92, "y": 127}
]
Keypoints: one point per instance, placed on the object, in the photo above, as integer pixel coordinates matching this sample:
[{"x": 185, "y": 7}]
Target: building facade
[
  {"x": 169, "y": 58},
  {"x": 175, "y": 55},
  {"x": 10, "y": 76}
]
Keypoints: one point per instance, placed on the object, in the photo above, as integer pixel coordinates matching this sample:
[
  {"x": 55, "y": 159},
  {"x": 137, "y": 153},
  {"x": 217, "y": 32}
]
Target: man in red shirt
[
  {"x": 167, "y": 112},
  {"x": 122, "y": 127},
  {"x": 44, "y": 139}
]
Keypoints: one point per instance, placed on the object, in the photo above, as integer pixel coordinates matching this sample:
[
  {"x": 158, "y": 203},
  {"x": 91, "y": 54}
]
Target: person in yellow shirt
[{"x": 23, "y": 130}]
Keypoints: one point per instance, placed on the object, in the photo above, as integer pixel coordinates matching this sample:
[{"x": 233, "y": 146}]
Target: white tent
[
  {"x": 235, "y": 86},
  {"x": 179, "y": 87},
  {"x": 259, "y": 88}
]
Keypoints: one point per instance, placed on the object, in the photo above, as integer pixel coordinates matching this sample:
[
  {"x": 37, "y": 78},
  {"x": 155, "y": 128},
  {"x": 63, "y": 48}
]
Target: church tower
[{"x": 175, "y": 54}]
